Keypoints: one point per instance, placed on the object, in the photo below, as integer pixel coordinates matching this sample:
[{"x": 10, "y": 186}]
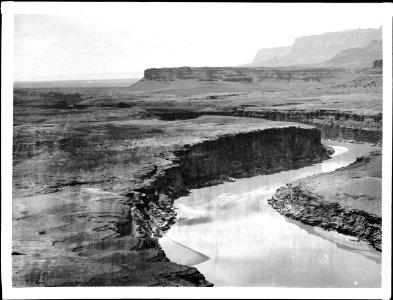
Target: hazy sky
[{"x": 117, "y": 42}]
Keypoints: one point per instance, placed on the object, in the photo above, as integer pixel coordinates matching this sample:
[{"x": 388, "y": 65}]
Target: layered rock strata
[
  {"x": 334, "y": 124},
  {"x": 240, "y": 74}
]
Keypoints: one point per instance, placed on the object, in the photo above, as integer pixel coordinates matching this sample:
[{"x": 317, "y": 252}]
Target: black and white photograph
[{"x": 152, "y": 148}]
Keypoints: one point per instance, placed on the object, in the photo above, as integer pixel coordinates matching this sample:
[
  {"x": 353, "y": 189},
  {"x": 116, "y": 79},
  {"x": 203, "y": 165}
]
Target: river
[{"x": 235, "y": 238}]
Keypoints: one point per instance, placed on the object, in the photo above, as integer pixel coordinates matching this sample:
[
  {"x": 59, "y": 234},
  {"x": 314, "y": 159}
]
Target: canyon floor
[{"x": 96, "y": 169}]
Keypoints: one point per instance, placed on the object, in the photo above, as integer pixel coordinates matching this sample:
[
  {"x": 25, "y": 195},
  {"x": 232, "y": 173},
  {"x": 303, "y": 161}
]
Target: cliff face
[
  {"x": 244, "y": 155},
  {"x": 239, "y": 74},
  {"x": 269, "y": 53},
  {"x": 315, "y": 49},
  {"x": 212, "y": 162},
  {"x": 332, "y": 123}
]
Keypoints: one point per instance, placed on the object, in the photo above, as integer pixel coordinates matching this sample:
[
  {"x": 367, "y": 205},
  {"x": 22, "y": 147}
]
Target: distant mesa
[
  {"x": 320, "y": 58},
  {"x": 271, "y": 53},
  {"x": 320, "y": 49},
  {"x": 238, "y": 74}
]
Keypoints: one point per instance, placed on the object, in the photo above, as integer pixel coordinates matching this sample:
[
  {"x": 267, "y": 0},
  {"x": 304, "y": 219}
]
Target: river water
[{"x": 235, "y": 238}]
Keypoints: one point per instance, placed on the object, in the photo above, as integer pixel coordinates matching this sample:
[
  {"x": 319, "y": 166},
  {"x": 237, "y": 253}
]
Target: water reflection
[{"x": 250, "y": 244}]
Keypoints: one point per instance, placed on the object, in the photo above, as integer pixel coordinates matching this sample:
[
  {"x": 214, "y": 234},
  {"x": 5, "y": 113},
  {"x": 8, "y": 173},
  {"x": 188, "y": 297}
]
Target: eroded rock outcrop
[
  {"x": 231, "y": 74},
  {"x": 351, "y": 205},
  {"x": 333, "y": 124}
]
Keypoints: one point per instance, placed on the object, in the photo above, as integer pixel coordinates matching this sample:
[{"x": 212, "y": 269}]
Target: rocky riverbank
[{"x": 347, "y": 200}]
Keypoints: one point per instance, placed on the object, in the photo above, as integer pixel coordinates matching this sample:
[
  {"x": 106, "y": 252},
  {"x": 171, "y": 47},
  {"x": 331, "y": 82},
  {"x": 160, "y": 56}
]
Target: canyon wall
[
  {"x": 240, "y": 74},
  {"x": 244, "y": 155},
  {"x": 214, "y": 161},
  {"x": 333, "y": 124}
]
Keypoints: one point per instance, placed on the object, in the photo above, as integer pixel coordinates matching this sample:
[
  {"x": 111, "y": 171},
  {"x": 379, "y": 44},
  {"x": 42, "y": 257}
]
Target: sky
[{"x": 120, "y": 41}]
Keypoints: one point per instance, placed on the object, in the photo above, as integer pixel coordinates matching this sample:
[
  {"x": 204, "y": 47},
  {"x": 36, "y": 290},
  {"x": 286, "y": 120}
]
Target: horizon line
[{"x": 56, "y": 80}]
